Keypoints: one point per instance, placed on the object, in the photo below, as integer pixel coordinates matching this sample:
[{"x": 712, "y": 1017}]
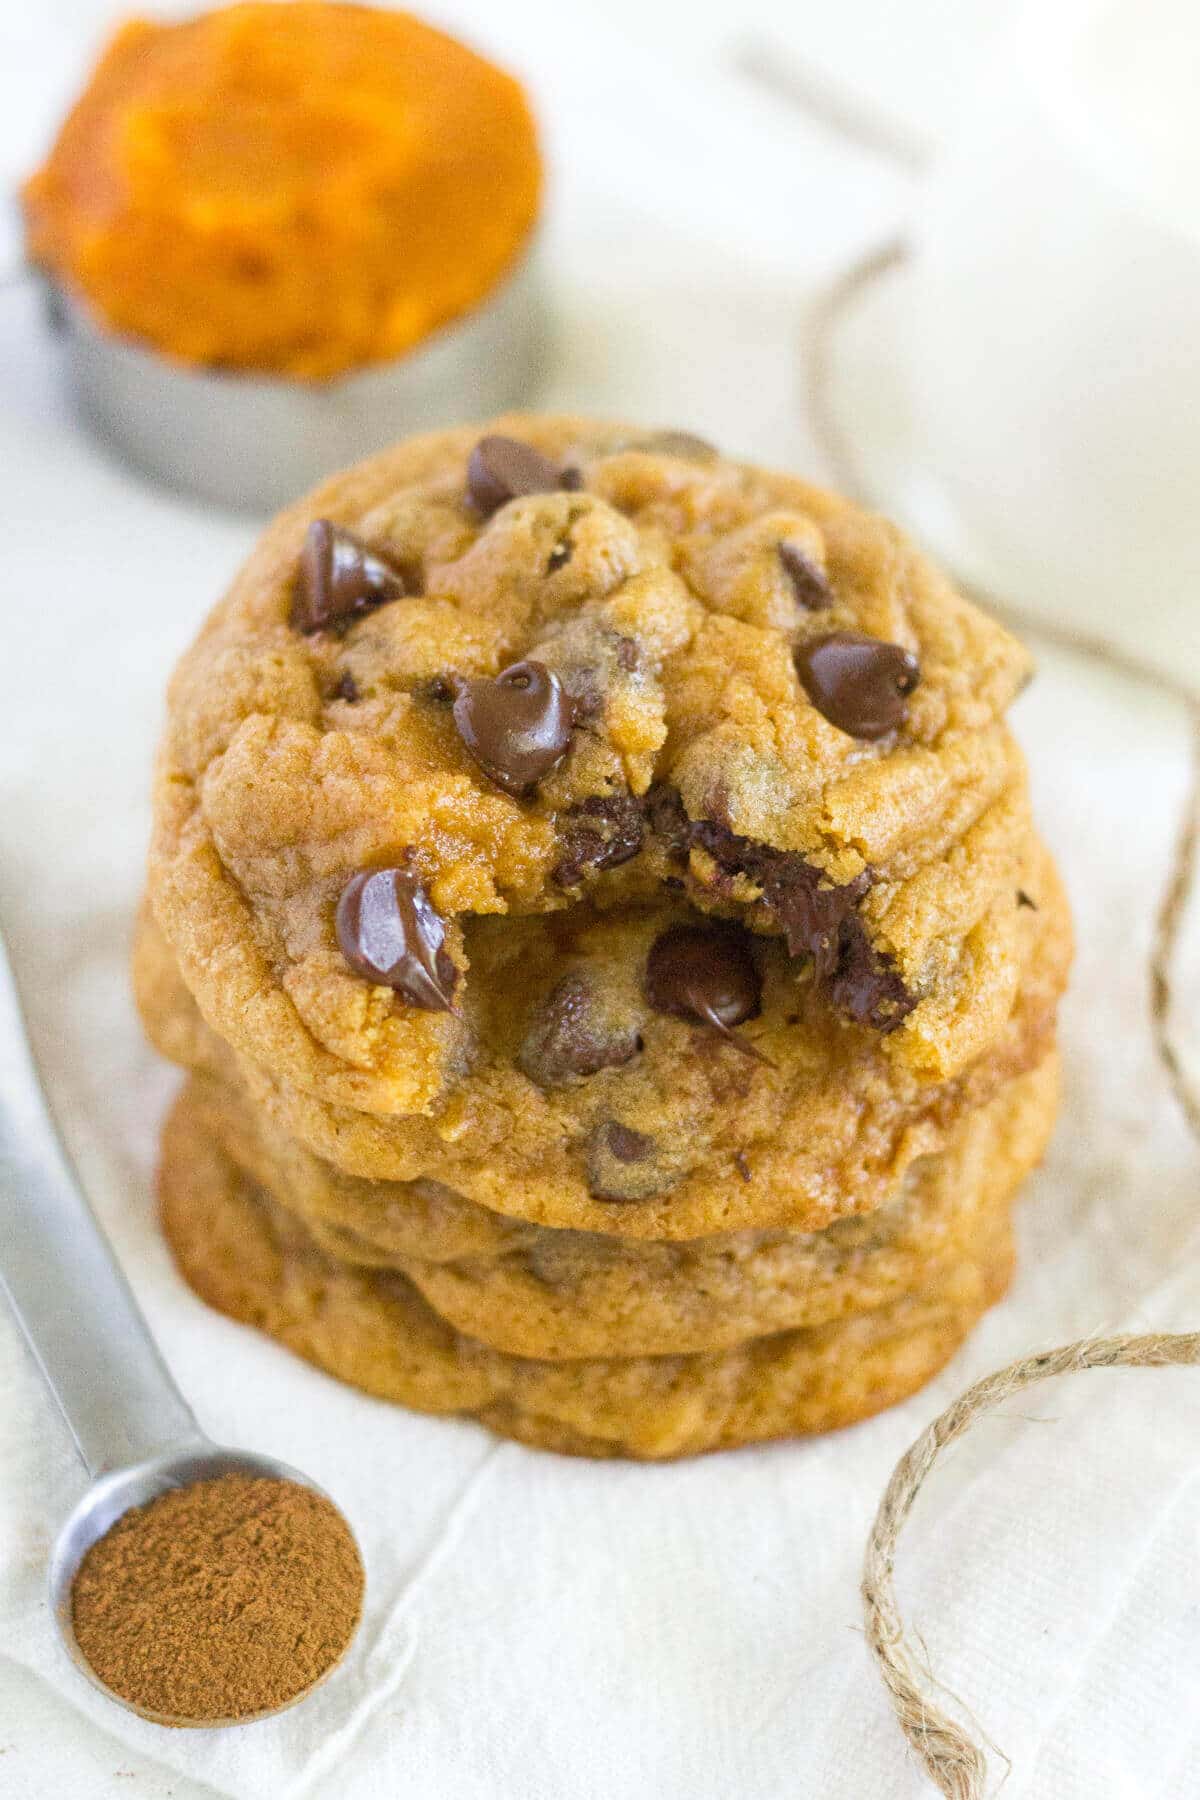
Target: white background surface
[{"x": 538, "y": 1628}]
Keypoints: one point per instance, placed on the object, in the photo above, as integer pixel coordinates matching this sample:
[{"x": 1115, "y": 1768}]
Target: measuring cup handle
[{"x": 68, "y": 1294}]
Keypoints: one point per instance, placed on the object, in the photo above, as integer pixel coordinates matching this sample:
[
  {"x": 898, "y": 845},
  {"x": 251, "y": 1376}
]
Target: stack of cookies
[{"x": 594, "y": 891}]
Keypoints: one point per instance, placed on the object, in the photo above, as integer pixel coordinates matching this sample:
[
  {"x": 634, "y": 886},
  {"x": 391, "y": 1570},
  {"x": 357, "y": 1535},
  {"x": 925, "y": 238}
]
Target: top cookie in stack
[{"x": 625, "y": 837}]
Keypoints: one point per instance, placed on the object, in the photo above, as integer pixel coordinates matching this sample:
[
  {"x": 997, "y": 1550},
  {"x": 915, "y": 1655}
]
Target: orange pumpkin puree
[{"x": 300, "y": 189}]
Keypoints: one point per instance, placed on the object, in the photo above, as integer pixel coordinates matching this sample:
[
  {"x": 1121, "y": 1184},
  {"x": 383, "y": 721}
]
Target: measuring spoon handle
[{"x": 69, "y": 1296}]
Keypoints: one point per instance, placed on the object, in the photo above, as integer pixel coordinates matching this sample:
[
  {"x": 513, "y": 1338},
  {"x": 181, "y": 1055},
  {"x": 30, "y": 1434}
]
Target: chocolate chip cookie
[
  {"x": 554, "y": 668},
  {"x": 787, "y": 1120},
  {"x": 594, "y": 887},
  {"x": 563, "y": 1295},
  {"x": 255, "y": 1261}
]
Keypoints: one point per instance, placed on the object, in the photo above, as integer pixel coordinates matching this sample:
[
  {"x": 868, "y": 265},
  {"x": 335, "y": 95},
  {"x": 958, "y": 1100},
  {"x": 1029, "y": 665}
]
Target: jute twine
[{"x": 952, "y": 1758}]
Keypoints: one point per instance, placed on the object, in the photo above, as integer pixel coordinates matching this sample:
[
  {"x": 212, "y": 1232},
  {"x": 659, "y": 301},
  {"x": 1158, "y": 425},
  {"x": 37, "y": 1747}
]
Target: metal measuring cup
[{"x": 254, "y": 443}]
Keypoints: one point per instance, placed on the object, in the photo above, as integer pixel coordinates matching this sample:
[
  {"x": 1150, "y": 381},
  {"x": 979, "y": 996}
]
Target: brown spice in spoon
[{"x": 221, "y": 1600}]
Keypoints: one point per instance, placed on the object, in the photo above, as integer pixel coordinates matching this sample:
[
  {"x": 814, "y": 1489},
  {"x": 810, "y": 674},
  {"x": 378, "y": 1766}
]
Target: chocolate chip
[
  {"x": 628, "y": 1146},
  {"x": 345, "y": 688},
  {"x": 810, "y": 584},
  {"x": 704, "y": 973},
  {"x": 502, "y": 468},
  {"x": 575, "y": 1032},
  {"x": 860, "y": 684},
  {"x": 340, "y": 577},
  {"x": 602, "y": 832},
  {"x": 390, "y": 934},
  {"x": 821, "y": 920},
  {"x": 1023, "y": 899},
  {"x": 560, "y": 556},
  {"x": 571, "y": 479},
  {"x": 742, "y": 1166},
  {"x": 679, "y": 443},
  {"x": 517, "y": 725},
  {"x": 625, "y": 1165}
]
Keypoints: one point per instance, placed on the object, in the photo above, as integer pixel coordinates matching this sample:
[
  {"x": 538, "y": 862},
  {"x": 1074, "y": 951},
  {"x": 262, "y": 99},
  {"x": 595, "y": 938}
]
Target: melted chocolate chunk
[
  {"x": 818, "y": 919},
  {"x": 516, "y": 725},
  {"x": 573, "y": 1034},
  {"x": 810, "y": 584},
  {"x": 340, "y": 577},
  {"x": 560, "y": 556},
  {"x": 668, "y": 821},
  {"x": 502, "y": 468},
  {"x": 389, "y": 933},
  {"x": 706, "y": 974},
  {"x": 860, "y": 684},
  {"x": 1023, "y": 899},
  {"x": 602, "y": 832},
  {"x": 867, "y": 988}
]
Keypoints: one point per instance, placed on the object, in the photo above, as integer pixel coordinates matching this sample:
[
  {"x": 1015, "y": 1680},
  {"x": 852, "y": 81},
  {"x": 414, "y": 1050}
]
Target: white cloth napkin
[{"x": 538, "y": 1627}]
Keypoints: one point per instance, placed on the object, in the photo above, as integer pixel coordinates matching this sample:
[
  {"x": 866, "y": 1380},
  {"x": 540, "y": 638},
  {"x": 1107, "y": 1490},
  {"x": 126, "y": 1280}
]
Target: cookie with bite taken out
[{"x": 574, "y": 816}]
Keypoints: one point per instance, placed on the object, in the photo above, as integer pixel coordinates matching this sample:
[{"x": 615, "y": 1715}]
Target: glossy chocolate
[
  {"x": 389, "y": 933},
  {"x": 705, "y": 973},
  {"x": 817, "y": 918},
  {"x": 339, "y": 577},
  {"x": 602, "y": 832},
  {"x": 517, "y": 725},
  {"x": 860, "y": 684}
]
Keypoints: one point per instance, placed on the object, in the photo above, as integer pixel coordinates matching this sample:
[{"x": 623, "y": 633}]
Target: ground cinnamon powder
[{"x": 219, "y": 1600}]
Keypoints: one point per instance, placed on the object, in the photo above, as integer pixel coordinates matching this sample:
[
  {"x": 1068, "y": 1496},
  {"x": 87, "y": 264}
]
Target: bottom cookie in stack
[{"x": 885, "y": 1300}]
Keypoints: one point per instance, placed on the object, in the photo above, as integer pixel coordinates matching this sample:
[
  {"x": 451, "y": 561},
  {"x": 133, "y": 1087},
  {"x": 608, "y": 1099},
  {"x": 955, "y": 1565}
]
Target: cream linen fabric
[{"x": 538, "y": 1627}]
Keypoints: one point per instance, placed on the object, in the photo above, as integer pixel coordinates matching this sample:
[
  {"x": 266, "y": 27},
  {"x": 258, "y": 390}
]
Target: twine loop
[{"x": 952, "y": 1759}]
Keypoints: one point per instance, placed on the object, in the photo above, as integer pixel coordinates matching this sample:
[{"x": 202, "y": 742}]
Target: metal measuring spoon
[{"x": 133, "y": 1429}]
